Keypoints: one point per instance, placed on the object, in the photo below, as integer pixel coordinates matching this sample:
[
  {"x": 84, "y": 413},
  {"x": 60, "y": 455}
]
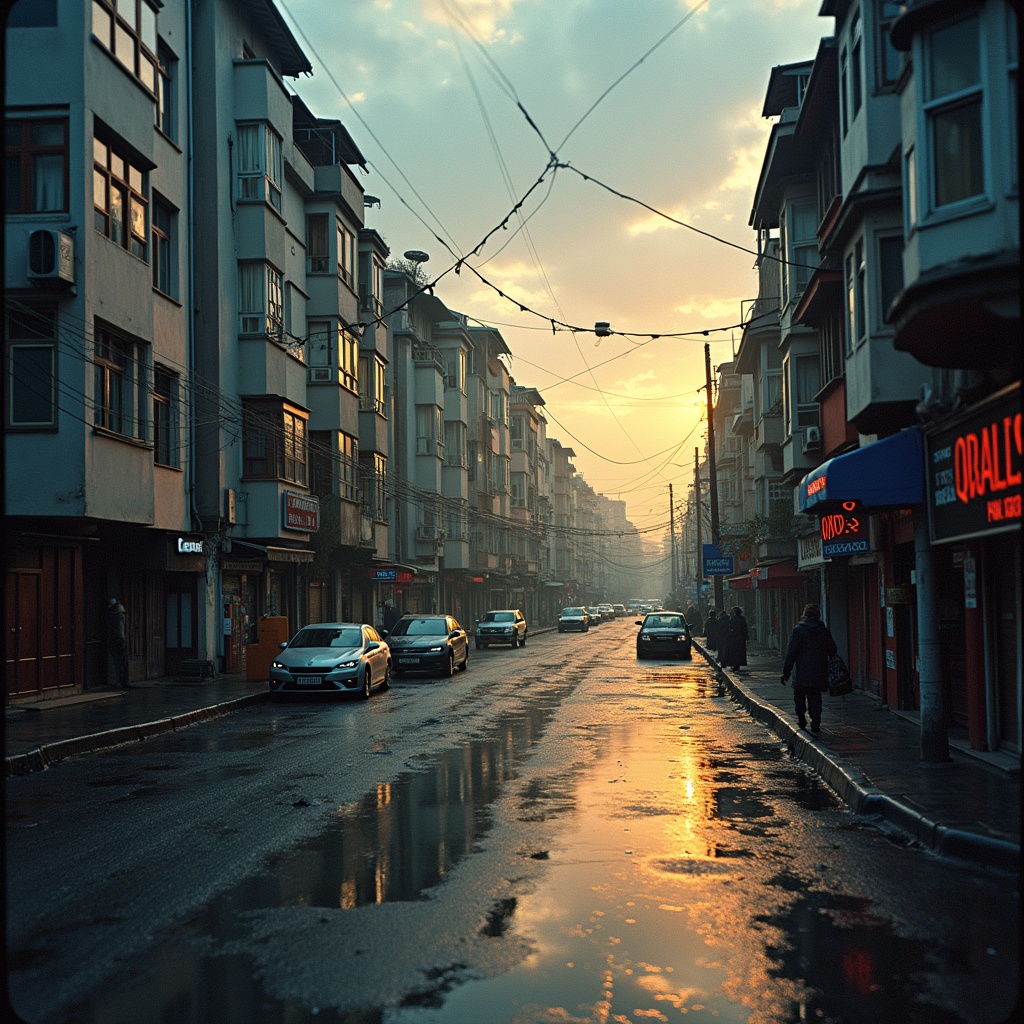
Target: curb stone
[
  {"x": 49, "y": 753},
  {"x": 866, "y": 799}
]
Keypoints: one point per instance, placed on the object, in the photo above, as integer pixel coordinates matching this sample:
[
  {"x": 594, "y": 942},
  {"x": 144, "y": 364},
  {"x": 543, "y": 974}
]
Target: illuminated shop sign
[
  {"x": 845, "y": 532},
  {"x": 974, "y": 473},
  {"x": 301, "y": 512}
]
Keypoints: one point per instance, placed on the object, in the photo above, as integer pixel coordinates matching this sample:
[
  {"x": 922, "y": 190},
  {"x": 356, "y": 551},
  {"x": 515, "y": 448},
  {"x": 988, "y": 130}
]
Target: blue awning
[{"x": 886, "y": 474}]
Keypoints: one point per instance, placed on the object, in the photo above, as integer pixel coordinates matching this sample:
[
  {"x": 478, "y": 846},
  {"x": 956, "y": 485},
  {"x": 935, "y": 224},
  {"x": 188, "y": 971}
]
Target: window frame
[
  {"x": 266, "y": 317},
  {"x": 26, "y": 152},
  {"x": 887, "y": 292},
  {"x": 118, "y": 384},
  {"x": 275, "y": 433},
  {"x": 130, "y": 32},
  {"x": 166, "y": 111},
  {"x": 30, "y": 340},
  {"x": 166, "y": 418},
  {"x": 886, "y": 12},
  {"x": 260, "y": 164},
  {"x": 163, "y": 261},
  {"x": 115, "y": 171}
]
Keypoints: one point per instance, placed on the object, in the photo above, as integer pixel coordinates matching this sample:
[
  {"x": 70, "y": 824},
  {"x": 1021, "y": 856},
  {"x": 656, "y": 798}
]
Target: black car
[
  {"x": 663, "y": 635},
  {"x": 428, "y": 643},
  {"x": 504, "y": 626}
]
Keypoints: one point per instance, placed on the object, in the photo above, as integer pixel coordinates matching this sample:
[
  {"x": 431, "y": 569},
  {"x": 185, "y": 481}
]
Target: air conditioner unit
[
  {"x": 320, "y": 374},
  {"x": 812, "y": 439},
  {"x": 426, "y": 533},
  {"x": 51, "y": 258}
]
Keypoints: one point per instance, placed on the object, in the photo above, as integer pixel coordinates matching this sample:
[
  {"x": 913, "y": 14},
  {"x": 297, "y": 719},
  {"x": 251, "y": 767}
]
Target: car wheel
[
  {"x": 465, "y": 661},
  {"x": 450, "y": 671},
  {"x": 515, "y": 642},
  {"x": 386, "y": 685},
  {"x": 364, "y": 693},
  {"x": 479, "y": 646}
]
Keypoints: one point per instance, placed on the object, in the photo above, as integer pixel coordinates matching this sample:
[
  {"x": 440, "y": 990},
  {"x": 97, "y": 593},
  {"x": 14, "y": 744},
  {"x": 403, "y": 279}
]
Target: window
[
  {"x": 890, "y": 273},
  {"x": 518, "y": 482},
  {"x": 844, "y": 74},
  {"x": 429, "y": 430},
  {"x": 831, "y": 347},
  {"x": 454, "y": 443},
  {"x": 805, "y": 387},
  {"x": 166, "y": 97},
  {"x": 499, "y": 406},
  {"x": 380, "y": 480},
  {"x": 36, "y": 166},
  {"x": 274, "y": 442},
  {"x": 164, "y": 239},
  {"x": 856, "y": 277},
  {"x": 346, "y": 254},
  {"x": 518, "y": 433},
  {"x": 127, "y": 28},
  {"x": 889, "y": 60},
  {"x": 119, "y": 203},
  {"x": 31, "y": 368},
  {"x": 317, "y": 255},
  {"x": 772, "y": 392},
  {"x": 348, "y": 455},
  {"x": 953, "y": 112},
  {"x": 372, "y": 384},
  {"x": 856, "y": 77},
  {"x": 117, "y": 384},
  {"x": 260, "y": 300},
  {"x": 797, "y": 226},
  {"x": 455, "y": 370},
  {"x": 260, "y": 164},
  {"x": 166, "y": 449},
  {"x": 910, "y": 188}
]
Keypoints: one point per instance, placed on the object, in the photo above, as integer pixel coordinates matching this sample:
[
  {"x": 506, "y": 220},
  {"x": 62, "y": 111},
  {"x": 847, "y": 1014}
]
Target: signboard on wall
[
  {"x": 717, "y": 564},
  {"x": 301, "y": 512},
  {"x": 974, "y": 473}
]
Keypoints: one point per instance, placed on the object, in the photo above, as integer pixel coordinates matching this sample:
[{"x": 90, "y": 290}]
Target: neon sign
[
  {"x": 845, "y": 532},
  {"x": 816, "y": 485}
]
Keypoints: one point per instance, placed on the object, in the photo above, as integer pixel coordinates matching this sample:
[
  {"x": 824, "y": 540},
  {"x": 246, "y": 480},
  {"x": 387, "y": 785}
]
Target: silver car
[{"x": 330, "y": 658}]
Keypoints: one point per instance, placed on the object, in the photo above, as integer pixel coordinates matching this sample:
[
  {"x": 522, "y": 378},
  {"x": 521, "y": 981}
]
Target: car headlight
[
  {"x": 346, "y": 664},
  {"x": 680, "y": 639},
  {"x": 645, "y": 636},
  {"x": 277, "y": 664},
  {"x": 509, "y": 629},
  {"x": 435, "y": 650}
]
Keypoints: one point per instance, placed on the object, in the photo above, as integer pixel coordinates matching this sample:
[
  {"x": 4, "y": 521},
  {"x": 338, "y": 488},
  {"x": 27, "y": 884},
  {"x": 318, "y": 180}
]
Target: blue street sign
[
  {"x": 717, "y": 564},
  {"x": 386, "y": 574}
]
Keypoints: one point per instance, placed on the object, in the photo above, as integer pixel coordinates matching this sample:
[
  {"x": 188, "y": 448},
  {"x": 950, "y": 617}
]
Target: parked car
[
  {"x": 573, "y": 618},
  {"x": 607, "y": 612},
  {"x": 620, "y": 610},
  {"x": 330, "y": 658},
  {"x": 663, "y": 634},
  {"x": 428, "y": 643},
  {"x": 504, "y": 626},
  {"x": 594, "y": 614}
]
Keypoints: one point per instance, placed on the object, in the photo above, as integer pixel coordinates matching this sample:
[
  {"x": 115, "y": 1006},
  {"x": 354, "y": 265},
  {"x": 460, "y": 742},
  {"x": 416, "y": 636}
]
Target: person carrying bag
[{"x": 811, "y": 647}]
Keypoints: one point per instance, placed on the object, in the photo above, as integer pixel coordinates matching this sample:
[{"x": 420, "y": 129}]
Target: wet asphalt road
[{"x": 560, "y": 834}]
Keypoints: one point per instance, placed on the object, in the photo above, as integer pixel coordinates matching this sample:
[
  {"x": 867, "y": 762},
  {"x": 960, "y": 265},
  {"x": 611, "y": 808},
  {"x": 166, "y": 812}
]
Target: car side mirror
[
  {"x": 282, "y": 645},
  {"x": 383, "y": 634},
  {"x": 454, "y": 633},
  {"x": 372, "y": 646},
  {"x": 639, "y": 622}
]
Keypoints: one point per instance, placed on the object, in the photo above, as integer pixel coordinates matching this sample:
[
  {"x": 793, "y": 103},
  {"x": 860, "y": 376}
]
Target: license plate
[
  {"x": 308, "y": 680},
  {"x": 408, "y": 661}
]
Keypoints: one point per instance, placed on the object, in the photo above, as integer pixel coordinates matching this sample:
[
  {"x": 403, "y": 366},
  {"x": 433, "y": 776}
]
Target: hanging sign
[{"x": 717, "y": 564}]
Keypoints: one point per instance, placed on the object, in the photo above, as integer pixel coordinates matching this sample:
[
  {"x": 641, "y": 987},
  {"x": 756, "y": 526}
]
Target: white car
[{"x": 331, "y": 658}]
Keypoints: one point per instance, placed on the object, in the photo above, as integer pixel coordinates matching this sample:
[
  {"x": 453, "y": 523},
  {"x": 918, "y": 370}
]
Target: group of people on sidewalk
[{"x": 807, "y": 657}]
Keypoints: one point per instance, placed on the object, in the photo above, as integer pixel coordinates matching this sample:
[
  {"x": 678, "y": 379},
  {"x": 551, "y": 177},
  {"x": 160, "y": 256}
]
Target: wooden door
[{"x": 21, "y": 631}]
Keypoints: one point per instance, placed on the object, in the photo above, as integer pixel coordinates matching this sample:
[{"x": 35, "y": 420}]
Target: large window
[
  {"x": 260, "y": 164},
  {"x": 797, "y": 227},
  {"x": 166, "y": 97},
  {"x": 36, "y": 166},
  {"x": 260, "y": 300},
  {"x": 856, "y": 299},
  {"x": 346, "y": 253},
  {"x": 119, "y": 200},
  {"x": 31, "y": 336},
  {"x": 127, "y": 28},
  {"x": 518, "y": 433},
  {"x": 166, "y": 445},
  {"x": 318, "y": 259},
  {"x": 455, "y": 369},
  {"x": 888, "y": 60},
  {"x": 890, "y": 273},
  {"x": 274, "y": 442},
  {"x": 953, "y": 110},
  {"x": 800, "y": 383},
  {"x": 429, "y": 430},
  {"x": 856, "y": 75},
  {"x": 117, "y": 384},
  {"x": 372, "y": 385},
  {"x": 164, "y": 247},
  {"x": 454, "y": 443}
]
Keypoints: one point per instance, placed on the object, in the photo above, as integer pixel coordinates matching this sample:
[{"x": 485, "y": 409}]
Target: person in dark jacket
[
  {"x": 711, "y": 630},
  {"x": 810, "y": 647},
  {"x": 692, "y": 617},
  {"x": 734, "y": 649}
]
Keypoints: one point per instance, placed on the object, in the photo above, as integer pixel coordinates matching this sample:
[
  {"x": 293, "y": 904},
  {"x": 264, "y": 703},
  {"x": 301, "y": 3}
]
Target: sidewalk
[
  {"x": 870, "y": 756},
  {"x": 36, "y": 735}
]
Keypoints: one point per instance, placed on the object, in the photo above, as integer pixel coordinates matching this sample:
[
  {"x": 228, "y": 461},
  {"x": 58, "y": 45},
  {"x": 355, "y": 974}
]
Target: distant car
[
  {"x": 504, "y": 626},
  {"x": 663, "y": 634},
  {"x": 607, "y": 612},
  {"x": 330, "y": 658},
  {"x": 428, "y": 643},
  {"x": 620, "y": 610},
  {"x": 594, "y": 613},
  {"x": 573, "y": 619}
]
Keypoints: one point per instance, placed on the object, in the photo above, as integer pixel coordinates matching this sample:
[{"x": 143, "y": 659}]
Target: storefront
[{"x": 974, "y": 516}]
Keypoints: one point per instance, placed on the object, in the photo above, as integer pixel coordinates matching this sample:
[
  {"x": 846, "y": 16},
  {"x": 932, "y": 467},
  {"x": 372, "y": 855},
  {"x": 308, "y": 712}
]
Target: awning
[
  {"x": 771, "y": 576},
  {"x": 886, "y": 474}
]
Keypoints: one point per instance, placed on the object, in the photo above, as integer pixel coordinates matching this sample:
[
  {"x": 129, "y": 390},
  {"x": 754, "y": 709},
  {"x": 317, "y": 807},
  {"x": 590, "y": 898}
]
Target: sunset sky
[{"x": 434, "y": 93}]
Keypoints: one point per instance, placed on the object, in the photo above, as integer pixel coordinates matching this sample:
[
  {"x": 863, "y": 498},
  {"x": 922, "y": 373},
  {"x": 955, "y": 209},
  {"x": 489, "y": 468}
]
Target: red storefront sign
[{"x": 301, "y": 512}]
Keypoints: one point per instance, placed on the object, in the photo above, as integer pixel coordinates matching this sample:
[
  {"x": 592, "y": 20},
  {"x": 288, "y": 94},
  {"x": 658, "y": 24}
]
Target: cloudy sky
[{"x": 440, "y": 95}]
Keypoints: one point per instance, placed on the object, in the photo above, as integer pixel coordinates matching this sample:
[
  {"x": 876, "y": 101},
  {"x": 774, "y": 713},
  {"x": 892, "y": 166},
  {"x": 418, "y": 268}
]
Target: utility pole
[
  {"x": 716, "y": 536},
  {"x": 701, "y": 604},
  {"x": 672, "y": 536}
]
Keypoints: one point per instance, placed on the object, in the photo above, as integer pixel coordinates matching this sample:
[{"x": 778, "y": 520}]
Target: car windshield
[
  {"x": 420, "y": 627},
  {"x": 328, "y": 636},
  {"x": 572, "y": 613},
  {"x": 500, "y": 617},
  {"x": 664, "y": 622}
]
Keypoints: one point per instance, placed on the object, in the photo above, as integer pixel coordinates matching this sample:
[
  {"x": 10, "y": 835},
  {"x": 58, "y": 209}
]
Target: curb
[
  {"x": 42, "y": 757},
  {"x": 862, "y": 797}
]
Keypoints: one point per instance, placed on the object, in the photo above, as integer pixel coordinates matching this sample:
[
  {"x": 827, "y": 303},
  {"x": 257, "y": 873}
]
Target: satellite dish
[{"x": 416, "y": 256}]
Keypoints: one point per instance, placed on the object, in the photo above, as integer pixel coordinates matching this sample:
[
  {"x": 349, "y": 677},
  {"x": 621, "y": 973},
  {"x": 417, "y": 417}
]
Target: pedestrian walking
[
  {"x": 734, "y": 650},
  {"x": 117, "y": 643},
  {"x": 711, "y": 630},
  {"x": 692, "y": 617},
  {"x": 810, "y": 646},
  {"x": 391, "y": 615}
]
